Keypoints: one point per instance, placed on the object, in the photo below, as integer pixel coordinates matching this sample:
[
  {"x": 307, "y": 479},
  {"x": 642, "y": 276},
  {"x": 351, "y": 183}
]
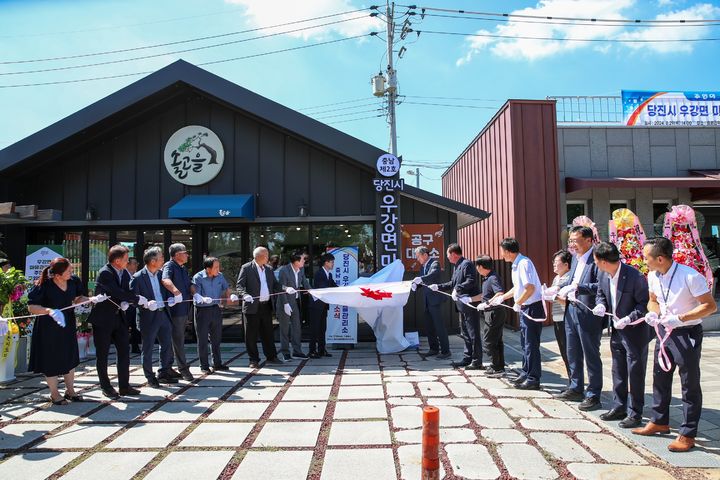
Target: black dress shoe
[
  {"x": 493, "y": 373},
  {"x": 153, "y": 382},
  {"x": 464, "y": 363},
  {"x": 253, "y": 365},
  {"x": 571, "y": 396},
  {"x": 174, "y": 373},
  {"x": 129, "y": 391},
  {"x": 326, "y": 354},
  {"x": 526, "y": 385},
  {"x": 222, "y": 368},
  {"x": 519, "y": 380},
  {"x": 590, "y": 404},
  {"x": 299, "y": 355},
  {"x": 614, "y": 414},
  {"x": 206, "y": 370},
  {"x": 629, "y": 422},
  {"x": 475, "y": 366},
  {"x": 313, "y": 355},
  {"x": 167, "y": 379},
  {"x": 187, "y": 376},
  {"x": 110, "y": 393}
]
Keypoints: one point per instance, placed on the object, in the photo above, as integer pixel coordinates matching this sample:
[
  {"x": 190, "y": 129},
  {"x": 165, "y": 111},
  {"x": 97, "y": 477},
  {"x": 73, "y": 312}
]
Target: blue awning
[{"x": 214, "y": 206}]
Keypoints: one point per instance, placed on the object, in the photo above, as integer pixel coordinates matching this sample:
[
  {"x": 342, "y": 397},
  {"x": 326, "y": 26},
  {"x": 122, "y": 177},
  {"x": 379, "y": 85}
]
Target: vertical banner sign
[
  {"x": 387, "y": 223},
  {"x": 342, "y": 320},
  {"x": 430, "y": 235},
  {"x": 671, "y": 109},
  {"x": 38, "y": 257}
]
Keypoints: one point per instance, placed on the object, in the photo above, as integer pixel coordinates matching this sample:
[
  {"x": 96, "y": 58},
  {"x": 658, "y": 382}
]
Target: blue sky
[{"x": 433, "y": 66}]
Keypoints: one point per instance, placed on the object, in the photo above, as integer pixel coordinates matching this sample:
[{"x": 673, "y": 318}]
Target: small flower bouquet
[
  {"x": 628, "y": 236},
  {"x": 680, "y": 227}
]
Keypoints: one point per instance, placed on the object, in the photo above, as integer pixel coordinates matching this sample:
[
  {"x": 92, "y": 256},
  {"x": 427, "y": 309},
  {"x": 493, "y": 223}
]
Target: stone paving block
[
  {"x": 526, "y": 462},
  {"x": 559, "y": 424},
  {"x": 148, "y": 435},
  {"x": 79, "y": 436},
  {"x": 281, "y": 465},
  {"x": 206, "y": 465},
  {"x": 454, "y": 379},
  {"x": 503, "y": 435},
  {"x": 360, "y": 409},
  {"x": 518, "y": 407},
  {"x": 452, "y": 417},
  {"x": 610, "y": 448},
  {"x": 361, "y": 379},
  {"x": 119, "y": 412},
  {"x": 557, "y": 408},
  {"x": 400, "y": 389},
  {"x": 411, "y": 378},
  {"x": 459, "y": 402},
  {"x": 471, "y": 461},
  {"x": 64, "y": 413},
  {"x": 361, "y": 370},
  {"x": 12, "y": 411},
  {"x": 394, "y": 372},
  {"x": 112, "y": 465},
  {"x": 364, "y": 392},
  {"x": 400, "y": 401},
  {"x": 15, "y": 435},
  {"x": 35, "y": 466},
  {"x": 220, "y": 381},
  {"x": 360, "y": 433},
  {"x": 310, "y": 369},
  {"x": 447, "y": 435},
  {"x": 313, "y": 380},
  {"x": 595, "y": 471},
  {"x": 299, "y": 411},
  {"x": 343, "y": 464},
  {"x": 255, "y": 393},
  {"x": 199, "y": 394},
  {"x": 307, "y": 393},
  {"x": 561, "y": 447},
  {"x": 488, "y": 383},
  {"x": 440, "y": 372},
  {"x": 465, "y": 390},
  {"x": 350, "y": 361},
  {"x": 516, "y": 393},
  {"x": 288, "y": 434},
  {"x": 239, "y": 411},
  {"x": 179, "y": 411},
  {"x": 266, "y": 381},
  {"x": 491, "y": 417},
  {"x": 433, "y": 389},
  {"x": 410, "y": 457},
  {"x": 406, "y": 417},
  {"x": 211, "y": 434}
]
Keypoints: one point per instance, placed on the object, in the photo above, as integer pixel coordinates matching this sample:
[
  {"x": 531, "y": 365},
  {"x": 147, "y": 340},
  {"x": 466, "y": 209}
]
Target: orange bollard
[{"x": 431, "y": 444}]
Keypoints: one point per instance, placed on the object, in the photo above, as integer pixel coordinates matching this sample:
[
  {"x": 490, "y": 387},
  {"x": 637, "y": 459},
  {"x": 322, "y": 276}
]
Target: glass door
[{"x": 227, "y": 247}]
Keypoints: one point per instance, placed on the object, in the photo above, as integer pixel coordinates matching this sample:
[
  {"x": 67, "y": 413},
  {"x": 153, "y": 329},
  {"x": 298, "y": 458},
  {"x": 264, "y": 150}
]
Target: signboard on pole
[
  {"x": 671, "y": 109},
  {"x": 388, "y": 185},
  {"x": 430, "y": 235},
  {"x": 38, "y": 257},
  {"x": 342, "y": 320}
]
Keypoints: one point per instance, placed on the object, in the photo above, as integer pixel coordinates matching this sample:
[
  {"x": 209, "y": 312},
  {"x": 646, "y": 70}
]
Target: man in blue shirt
[
  {"x": 210, "y": 286},
  {"x": 175, "y": 278}
]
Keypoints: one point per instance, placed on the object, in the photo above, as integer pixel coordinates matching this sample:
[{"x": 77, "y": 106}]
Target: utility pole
[
  {"x": 417, "y": 177},
  {"x": 391, "y": 75}
]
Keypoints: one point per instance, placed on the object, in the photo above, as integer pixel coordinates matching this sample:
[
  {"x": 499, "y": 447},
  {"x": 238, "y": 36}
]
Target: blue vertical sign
[{"x": 342, "y": 320}]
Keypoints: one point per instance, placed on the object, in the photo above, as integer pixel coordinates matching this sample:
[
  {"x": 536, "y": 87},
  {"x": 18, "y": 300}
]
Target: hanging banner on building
[
  {"x": 342, "y": 320},
  {"x": 671, "y": 109},
  {"x": 430, "y": 235},
  {"x": 38, "y": 257},
  {"x": 387, "y": 213}
]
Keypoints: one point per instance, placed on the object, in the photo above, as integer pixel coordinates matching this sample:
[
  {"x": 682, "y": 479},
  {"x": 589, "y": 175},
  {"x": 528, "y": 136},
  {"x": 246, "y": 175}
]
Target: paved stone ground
[{"x": 357, "y": 414}]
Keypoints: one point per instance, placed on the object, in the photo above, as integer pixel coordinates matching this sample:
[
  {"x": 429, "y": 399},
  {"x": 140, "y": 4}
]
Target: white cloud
[{"x": 272, "y": 12}]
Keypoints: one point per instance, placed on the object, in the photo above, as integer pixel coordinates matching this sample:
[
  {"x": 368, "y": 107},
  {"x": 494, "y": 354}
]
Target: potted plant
[
  {"x": 12, "y": 287},
  {"x": 24, "y": 323},
  {"x": 84, "y": 329}
]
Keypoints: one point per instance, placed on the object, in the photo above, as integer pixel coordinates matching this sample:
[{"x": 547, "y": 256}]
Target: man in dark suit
[
  {"x": 154, "y": 318},
  {"x": 255, "y": 283},
  {"x": 623, "y": 291},
  {"x": 464, "y": 285},
  {"x": 318, "y": 309},
  {"x": 288, "y": 307},
  {"x": 131, "y": 312},
  {"x": 434, "y": 324},
  {"x": 582, "y": 327},
  {"x": 110, "y": 323}
]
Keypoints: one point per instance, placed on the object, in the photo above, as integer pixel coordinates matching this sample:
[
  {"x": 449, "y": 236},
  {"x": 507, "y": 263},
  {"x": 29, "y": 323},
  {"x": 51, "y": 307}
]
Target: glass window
[
  {"x": 358, "y": 235},
  {"x": 227, "y": 247},
  {"x": 186, "y": 238},
  {"x": 153, "y": 238},
  {"x": 128, "y": 238},
  {"x": 659, "y": 210},
  {"x": 617, "y": 205},
  {"x": 574, "y": 210},
  {"x": 72, "y": 245},
  {"x": 281, "y": 241},
  {"x": 99, "y": 244},
  {"x": 43, "y": 237}
]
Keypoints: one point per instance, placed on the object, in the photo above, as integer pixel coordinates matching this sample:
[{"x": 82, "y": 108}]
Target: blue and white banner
[
  {"x": 341, "y": 319},
  {"x": 671, "y": 109}
]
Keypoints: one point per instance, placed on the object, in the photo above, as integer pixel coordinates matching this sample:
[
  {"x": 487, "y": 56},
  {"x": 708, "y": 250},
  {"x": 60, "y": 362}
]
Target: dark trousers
[
  {"x": 530, "y": 340},
  {"x": 583, "y": 331},
  {"x": 178, "y": 341},
  {"x": 684, "y": 348},
  {"x": 318, "y": 326},
  {"x": 470, "y": 330},
  {"x": 561, "y": 337},
  {"x": 629, "y": 349},
  {"x": 135, "y": 337},
  {"x": 260, "y": 324},
  {"x": 156, "y": 325},
  {"x": 493, "y": 324},
  {"x": 113, "y": 331},
  {"x": 208, "y": 323},
  {"x": 436, "y": 332}
]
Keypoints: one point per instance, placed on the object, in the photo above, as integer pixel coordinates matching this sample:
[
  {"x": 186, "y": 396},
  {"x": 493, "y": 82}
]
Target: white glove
[
  {"x": 433, "y": 287},
  {"x": 620, "y": 323},
  {"x": 481, "y": 306},
  {"x": 564, "y": 291},
  {"x": 670, "y": 320},
  {"x": 413, "y": 286},
  {"x": 417, "y": 281},
  {"x": 495, "y": 301},
  {"x": 288, "y": 309},
  {"x": 198, "y": 299},
  {"x": 517, "y": 307},
  {"x": 549, "y": 293},
  {"x": 207, "y": 300},
  {"x": 98, "y": 298},
  {"x": 290, "y": 290},
  {"x": 551, "y": 290},
  {"x": 234, "y": 298},
  {"x": 454, "y": 295},
  {"x": 58, "y": 316},
  {"x": 170, "y": 302},
  {"x": 652, "y": 319},
  {"x": 248, "y": 298},
  {"x": 124, "y": 306},
  {"x": 465, "y": 299},
  {"x": 3, "y": 327},
  {"x": 178, "y": 298},
  {"x": 599, "y": 310},
  {"x": 152, "y": 305},
  {"x": 142, "y": 301},
  {"x": 571, "y": 296}
]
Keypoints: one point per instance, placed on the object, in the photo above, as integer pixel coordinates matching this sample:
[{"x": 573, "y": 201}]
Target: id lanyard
[{"x": 666, "y": 293}]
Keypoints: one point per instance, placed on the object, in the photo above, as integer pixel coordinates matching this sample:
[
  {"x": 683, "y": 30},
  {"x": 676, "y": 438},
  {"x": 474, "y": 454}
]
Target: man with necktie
[
  {"x": 434, "y": 325},
  {"x": 318, "y": 308},
  {"x": 289, "y": 307}
]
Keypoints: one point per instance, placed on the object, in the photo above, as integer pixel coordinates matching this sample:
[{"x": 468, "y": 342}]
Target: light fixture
[
  {"x": 346, "y": 231},
  {"x": 90, "y": 213},
  {"x": 302, "y": 209},
  {"x": 297, "y": 228}
]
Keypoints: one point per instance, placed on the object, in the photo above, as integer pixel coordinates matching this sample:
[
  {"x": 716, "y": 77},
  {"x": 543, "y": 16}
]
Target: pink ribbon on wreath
[
  {"x": 585, "y": 221},
  {"x": 685, "y": 215}
]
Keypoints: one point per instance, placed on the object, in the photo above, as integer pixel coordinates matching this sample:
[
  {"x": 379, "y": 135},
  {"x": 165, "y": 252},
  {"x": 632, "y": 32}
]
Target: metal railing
[{"x": 589, "y": 109}]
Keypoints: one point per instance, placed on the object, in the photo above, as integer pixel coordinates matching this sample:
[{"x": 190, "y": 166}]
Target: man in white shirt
[
  {"x": 526, "y": 293},
  {"x": 679, "y": 300}
]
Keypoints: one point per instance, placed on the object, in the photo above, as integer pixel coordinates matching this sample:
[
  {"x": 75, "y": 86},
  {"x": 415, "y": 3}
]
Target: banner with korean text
[
  {"x": 429, "y": 235},
  {"x": 671, "y": 109},
  {"x": 342, "y": 320}
]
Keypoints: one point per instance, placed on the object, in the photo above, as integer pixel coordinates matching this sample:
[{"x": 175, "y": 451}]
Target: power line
[
  {"x": 344, "y": 108},
  {"x": 351, "y": 113},
  {"x": 455, "y": 98},
  {"x": 600, "y": 40},
  {"x": 210, "y": 37},
  {"x": 355, "y": 119},
  {"x": 107, "y": 77},
  {"x": 448, "y": 105},
  {"x": 194, "y": 49},
  {"x": 332, "y": 104}
]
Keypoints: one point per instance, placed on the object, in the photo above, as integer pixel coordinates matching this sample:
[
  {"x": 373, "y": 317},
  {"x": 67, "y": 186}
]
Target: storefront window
[
  {"x": 186, "y": 238},
  {"x": 281, "y": 241},
  {"x": 361, "y": 236},
  {"x": 128, "y": 238},
  {"x": 227, "y": 247},
  {"x": 43, "y": 237},
  {"x": 72, "y": 246},
  {"x": 153, "y": 238},
  {"x": 99, "y": 244}
]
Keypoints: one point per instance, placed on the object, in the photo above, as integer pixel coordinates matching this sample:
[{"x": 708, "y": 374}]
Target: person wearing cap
[
  {"x": 679, "y": 300},
  {"x": 176, "y": 279},
  {"x": 210, "y": 286}
]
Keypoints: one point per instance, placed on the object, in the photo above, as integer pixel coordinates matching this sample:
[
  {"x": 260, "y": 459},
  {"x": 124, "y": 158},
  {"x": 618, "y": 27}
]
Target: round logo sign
[
  {"x": 388, "y": 165},
  {"x": 194, "y": 155}
]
